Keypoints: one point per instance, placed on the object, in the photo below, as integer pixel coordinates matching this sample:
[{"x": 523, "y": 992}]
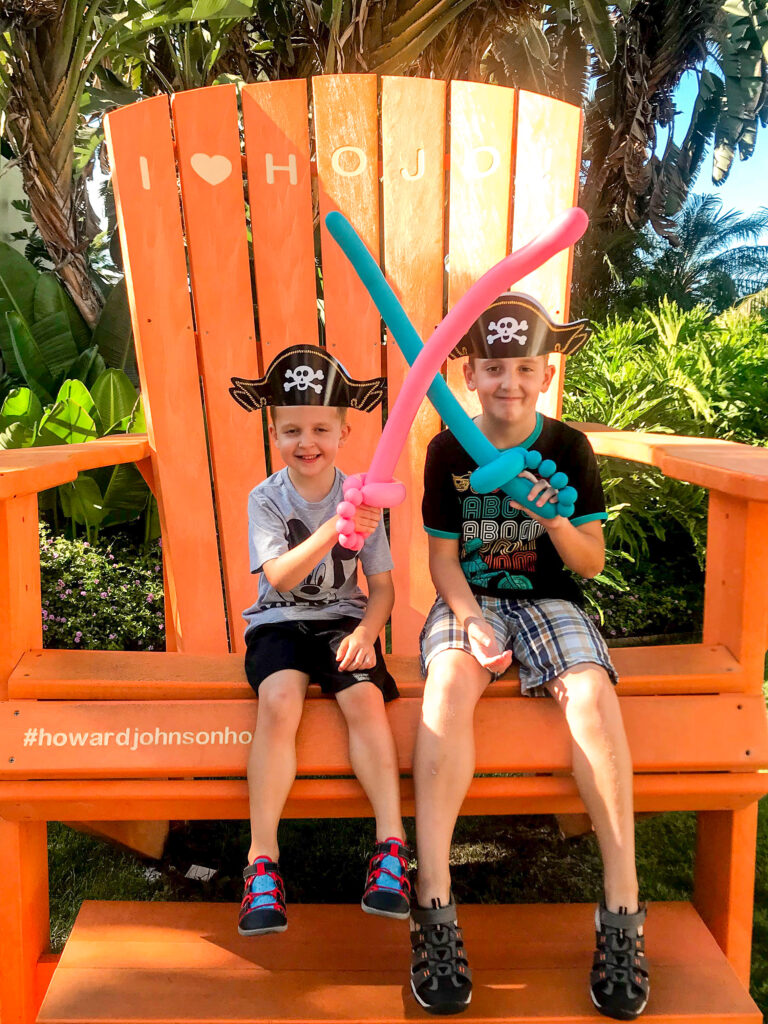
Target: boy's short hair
[{"x": 340, "y": 410}]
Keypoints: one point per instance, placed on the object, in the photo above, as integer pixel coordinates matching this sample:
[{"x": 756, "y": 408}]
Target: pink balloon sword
[{"x": 377, "y": 487}]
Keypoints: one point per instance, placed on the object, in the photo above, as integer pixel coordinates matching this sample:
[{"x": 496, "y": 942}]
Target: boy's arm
[
  {"x": 451, "y": 584},
  {"x": 356, "y": 650},
  {"x": 582, "y": 547},
  {"x": 288, "y": 570}
]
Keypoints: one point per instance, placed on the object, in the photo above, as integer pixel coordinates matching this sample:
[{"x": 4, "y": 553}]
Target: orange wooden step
[{"x": 155, "y": 962}]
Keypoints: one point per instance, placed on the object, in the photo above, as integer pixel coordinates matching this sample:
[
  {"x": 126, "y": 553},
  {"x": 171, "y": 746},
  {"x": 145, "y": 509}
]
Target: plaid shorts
[{"x": 546, "y": 637}]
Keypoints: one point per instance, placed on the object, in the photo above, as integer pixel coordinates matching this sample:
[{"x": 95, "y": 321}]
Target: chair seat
[{"x": 156, "y": 963}]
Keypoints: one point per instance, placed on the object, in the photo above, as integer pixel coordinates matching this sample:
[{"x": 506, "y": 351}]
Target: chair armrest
[
  {"x": 738, "y": 469},
  {"x": 31, "y": 470}
]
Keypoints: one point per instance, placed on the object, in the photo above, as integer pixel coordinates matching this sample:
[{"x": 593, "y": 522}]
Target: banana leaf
[
  {"x": 29, "y": 359},
  {"x": 18, "y": 280},
  {"x": 88, "y": 367},
  {"x": 17, "y": 435},
  {"x": 113, "y": 335},
  {"x": 77, "y": 392},
  {"x": 66, "y": 423},
  {"x": 81, "y": 501},
  {"x": 21, "y": 406},
  {"x": 125, "y": 496},
  {"x": 56, "y": 344},
  {"x": 115, "y": 398}
]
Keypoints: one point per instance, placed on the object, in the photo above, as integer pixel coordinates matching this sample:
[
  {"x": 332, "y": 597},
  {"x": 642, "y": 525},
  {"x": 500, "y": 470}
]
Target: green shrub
[
  {"x": 99, "y": 598},
  {"x": 674, "y": 372}
]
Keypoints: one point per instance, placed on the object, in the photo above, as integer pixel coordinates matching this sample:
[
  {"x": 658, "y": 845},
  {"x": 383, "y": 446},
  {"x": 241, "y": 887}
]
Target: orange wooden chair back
[{"x": 203, "y": 220}]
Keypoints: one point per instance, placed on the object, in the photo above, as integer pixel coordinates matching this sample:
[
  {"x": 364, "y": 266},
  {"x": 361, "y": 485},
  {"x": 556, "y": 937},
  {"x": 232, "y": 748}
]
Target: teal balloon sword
[{"x": 496, "y": 470}]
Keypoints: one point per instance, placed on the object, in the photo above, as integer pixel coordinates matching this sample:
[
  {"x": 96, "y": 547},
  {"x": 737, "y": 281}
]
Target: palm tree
[{"x": 717, "y": 261}]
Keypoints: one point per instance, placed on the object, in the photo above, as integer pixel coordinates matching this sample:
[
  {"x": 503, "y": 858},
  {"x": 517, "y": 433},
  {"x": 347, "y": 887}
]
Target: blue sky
[{"x": 746, "y": 187}]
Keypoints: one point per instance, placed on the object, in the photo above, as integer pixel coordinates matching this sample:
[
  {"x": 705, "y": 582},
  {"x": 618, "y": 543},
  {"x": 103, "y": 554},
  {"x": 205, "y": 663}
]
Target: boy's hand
[
  {"x": 356, "y": 650},
  {"x": 482, "y": 640},
  {"x": 366, "y": 519},
  {"x": 540, "y": 494}
]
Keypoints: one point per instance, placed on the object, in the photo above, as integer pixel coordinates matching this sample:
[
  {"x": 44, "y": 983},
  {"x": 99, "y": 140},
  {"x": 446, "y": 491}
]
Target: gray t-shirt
[{"x": 280, "y": 519}]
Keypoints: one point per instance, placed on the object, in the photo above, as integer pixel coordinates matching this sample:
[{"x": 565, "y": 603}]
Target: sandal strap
[
  {"x": 435, "y": 915},
  {"x": 623, "y": 922}
]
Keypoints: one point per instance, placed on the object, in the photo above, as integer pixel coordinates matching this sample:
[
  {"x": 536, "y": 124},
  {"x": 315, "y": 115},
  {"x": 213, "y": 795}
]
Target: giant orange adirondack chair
[{"x": 110, "y": 736}]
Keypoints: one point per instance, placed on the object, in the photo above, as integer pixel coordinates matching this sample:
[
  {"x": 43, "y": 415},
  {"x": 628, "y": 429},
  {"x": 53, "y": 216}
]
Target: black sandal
[
  {"x": 618, "y": 981},
  {"x": 441, "y": 980}
]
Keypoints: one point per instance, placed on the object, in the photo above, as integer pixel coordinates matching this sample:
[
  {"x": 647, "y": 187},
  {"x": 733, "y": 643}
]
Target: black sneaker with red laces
[
  {"x": 387, "y": 889},
  {"x": 263, "y": 906}
]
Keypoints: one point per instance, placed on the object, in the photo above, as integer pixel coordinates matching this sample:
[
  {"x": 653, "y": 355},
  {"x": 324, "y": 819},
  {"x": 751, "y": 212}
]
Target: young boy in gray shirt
[{"x": 312, "y": 620}]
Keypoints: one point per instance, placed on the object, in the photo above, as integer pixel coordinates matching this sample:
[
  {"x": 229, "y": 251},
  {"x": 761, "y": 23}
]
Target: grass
[{"x": 494, "y": 860}]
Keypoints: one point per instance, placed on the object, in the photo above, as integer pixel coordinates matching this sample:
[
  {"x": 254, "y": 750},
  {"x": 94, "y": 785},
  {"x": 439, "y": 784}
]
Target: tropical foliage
[
  {"x": 678, "y": 372},
  {"x": 64, "y": 62},
  {"x": 718, "y": 261}
]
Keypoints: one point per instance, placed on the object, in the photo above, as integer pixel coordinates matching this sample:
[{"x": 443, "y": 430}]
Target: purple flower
[
  {"x": 68, "y": 591},
  {"x": 112, "y": 636},
  {"x": 111, "y": 557},
  {"x": 150, "y": 599},
  {"x": 83, "y": 593},
  {"x": 78, "y": 635},
  {"x": 45, "y": 626},
  {"x": 151, "y": 647},
  {"x": 59, "y": 584},
  {"x": 45, "y": 614},
  {"x": 157, "y": 568},
  {"x": 86, "y": 544},
  {"x": 103, "y": 594}
]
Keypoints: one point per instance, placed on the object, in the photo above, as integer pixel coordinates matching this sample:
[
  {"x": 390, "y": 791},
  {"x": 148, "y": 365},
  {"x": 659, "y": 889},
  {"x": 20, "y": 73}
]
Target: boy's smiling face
[
  {"x": 508, "y": 389},
  {"x": 308, "y": 438}
]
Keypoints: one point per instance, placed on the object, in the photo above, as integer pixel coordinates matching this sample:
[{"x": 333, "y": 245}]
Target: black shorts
[{"x": 310, "y": 646}]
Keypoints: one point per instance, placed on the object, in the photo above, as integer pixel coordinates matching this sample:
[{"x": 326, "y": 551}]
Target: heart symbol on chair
[{"x": 213, "y": 169}]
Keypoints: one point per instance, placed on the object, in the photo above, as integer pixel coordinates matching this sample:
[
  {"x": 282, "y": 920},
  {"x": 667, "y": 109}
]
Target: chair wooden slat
[
  {"x": 547, "y": 162},
  {"x": 53, "y": 739},
  {"x": 144, "y": 178},
  {"x": 413, "y": 146},
  {"x": 280, "y": 199},
  {"x": 482, "y": 121},
  {"x": 204, "y": 799},
  {"x": 98, "y": 675},
  {"x": 346, "y": 140},
  {"x": 210, "y": 170}
]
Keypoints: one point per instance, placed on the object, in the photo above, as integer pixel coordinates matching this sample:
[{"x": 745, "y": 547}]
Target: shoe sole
[
  {"x": 619, "y": 1016},
  {"x": 447, "y": 1010},
  {"x": 386, "y": 913},
  {"x": 261, "y": 931}
]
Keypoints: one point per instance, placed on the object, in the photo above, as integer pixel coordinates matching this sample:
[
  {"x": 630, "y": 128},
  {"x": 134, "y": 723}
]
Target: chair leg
[
  {"x": 724, "y": 881},
  {"x": 24, "y": 916}
]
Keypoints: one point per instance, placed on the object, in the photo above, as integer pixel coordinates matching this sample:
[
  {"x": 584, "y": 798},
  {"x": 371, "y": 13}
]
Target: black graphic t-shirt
[{"x": 503, "y": 552}]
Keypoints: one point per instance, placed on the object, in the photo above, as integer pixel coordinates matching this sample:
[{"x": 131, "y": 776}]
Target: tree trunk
[{"x": 41, "y": 128}]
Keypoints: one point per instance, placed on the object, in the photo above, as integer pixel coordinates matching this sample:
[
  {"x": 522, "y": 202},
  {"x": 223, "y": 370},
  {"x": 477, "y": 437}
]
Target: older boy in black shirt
[{"x": 503, "y": 589}]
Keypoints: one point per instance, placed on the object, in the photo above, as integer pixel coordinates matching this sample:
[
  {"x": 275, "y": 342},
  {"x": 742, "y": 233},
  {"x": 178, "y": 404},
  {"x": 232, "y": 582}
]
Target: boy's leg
[
  {"x": 443, "y": 764},
  {"x": 272, "y": 758},
  {"x": 373, "y": 755},
  {"x": 602, "y": 768}
]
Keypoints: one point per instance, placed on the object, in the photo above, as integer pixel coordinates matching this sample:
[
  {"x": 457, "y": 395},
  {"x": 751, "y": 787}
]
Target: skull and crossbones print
[
  {"x": 303, "y": 377},
  {"x": 507, "y": 329}
]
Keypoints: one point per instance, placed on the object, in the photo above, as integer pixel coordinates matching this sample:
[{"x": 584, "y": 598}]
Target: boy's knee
[
  {"x": 446, "y": 690},
  {"x": 584, "y": 689},
  {"x": 280, "y": 706}
]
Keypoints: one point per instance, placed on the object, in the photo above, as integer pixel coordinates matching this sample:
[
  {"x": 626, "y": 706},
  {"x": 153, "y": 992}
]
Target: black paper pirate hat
[
  {"x": 515, "y": 326},
  {"x": 307, "y": 375}
]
